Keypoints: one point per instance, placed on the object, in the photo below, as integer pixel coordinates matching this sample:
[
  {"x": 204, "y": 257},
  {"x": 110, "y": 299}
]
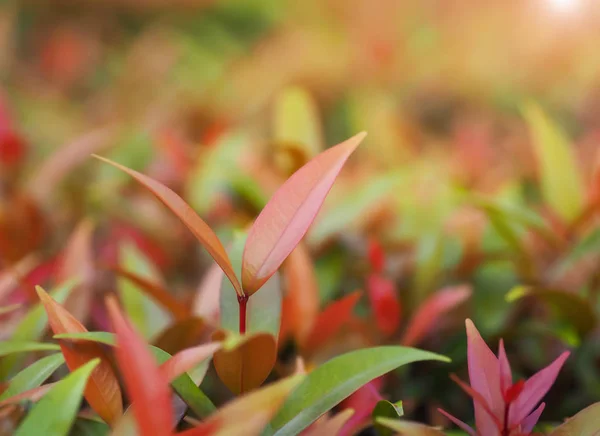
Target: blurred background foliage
[{"x": 481, "y": 166}]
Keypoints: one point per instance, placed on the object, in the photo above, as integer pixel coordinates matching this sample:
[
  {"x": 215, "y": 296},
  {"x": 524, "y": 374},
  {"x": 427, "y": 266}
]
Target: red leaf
[
  {"x": 376, "y": 256},
  {"x": 385, "y": 304},
  {"x": 146, "y": 385},
  {"x": 286, "y": 218}
]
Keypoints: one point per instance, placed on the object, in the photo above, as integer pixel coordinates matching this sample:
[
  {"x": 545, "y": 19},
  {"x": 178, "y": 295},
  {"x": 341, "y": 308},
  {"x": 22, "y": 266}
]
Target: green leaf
[
  {"x": 429, "y": 265},
  {"x": 55, "y": 413},
  {"x": 585, "y": 423},
  {"x": 89, "y": 427},
  {"x": 12, "y": 347},
  {"x": 408, "y": 428},
  {"x": 590, "y": 244},
  {"x": 561, "y": 181},
  {"x": 263, "y": 312},
  {"x": 183, "y": 385},
  {"x": 33, "y": 376},
  {"x": 567, "y": 306},
  {"x": 329, "y": 384},
  {"x": 32, "y": 327},
  {"x": 386, "y": 409},
  {"x": 147, "y": 316}
]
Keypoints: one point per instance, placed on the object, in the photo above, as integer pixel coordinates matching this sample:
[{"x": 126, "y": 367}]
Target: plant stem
[{"x": 243, "y": 301}]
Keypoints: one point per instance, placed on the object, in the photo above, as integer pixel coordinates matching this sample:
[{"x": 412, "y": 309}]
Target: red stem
[{"x": 243, "y": 301}]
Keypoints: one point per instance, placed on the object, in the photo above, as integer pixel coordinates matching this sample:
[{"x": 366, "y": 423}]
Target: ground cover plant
[{"x": 198, "y": 236}]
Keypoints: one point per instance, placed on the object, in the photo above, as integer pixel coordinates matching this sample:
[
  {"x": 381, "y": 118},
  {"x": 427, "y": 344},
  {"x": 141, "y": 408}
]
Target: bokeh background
[{"x": 222, "y": 100}]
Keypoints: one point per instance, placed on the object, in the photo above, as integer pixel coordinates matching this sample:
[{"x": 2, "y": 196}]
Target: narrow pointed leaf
[
  {"x": 186, "y": 360},
  {"x": 147, "y": 387},
  {"x": 11, "y": 347},
  {"x": 89, "y": 427},
  {"x": 585, "y": 423},
  {"x": 103, "y": 391},
  {"x": 186, "y": 214},
  {"x": 286, "y": 218},
  {"x": 33, "y": 376},
  {"x": 330, "y": 383},
  {"x": 34, "y": 394},
  {"x": 45, "y": 417}
]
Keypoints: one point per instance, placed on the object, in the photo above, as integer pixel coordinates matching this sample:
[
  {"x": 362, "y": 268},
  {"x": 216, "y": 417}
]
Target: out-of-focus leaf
[
  {"x": 588, "y": 245},
  {"x": 34, "y": 394},
  {"x": 330, "y": 383},
  {"x": 89, "y": 427},
  {"x": 386, "y": 409},
  {"x": 78, "y": 263},
  {"x": 437, "y": 305},
  {"x": 286, "y": 218},
  {"x": 11, "y": 347},
  {"x": 183, "y": 385},
  {"x": 186, "y": 214},
  {"x": 156, "y": 291},
  {"x": 569, "y": 306},
  {"x": 10, "y": 308},
  {"x": 562, "y": 186},
  {"x": 428, "y": 265},
  {"x": 146, "y": 385},
  {"x": 585, "y": 423},
  {"x": 186, "y": 360},
  {"x": 9, "y": 277},
  {"x": 330, "y": 321},
  {"x": 384, "y": 303},
  {"x": 331, "y": 426},
  {"x": 144, "y": 314},
  {"x": 33, "y": 376},
  {"x": 301, "y": 301},
  {"x": 181, "y": 335},
  {"x": 208, "y": 296},
  {"x": 249, "y": 414},
  {"x": 407, "y": 428},
  {"x": 32, "y": 327},
  {"x": 263, "y": 310},
  {"x": 248, "y": 363},
  {"x": 103, "y": 391},
  {"x": 45, "y": 417}
]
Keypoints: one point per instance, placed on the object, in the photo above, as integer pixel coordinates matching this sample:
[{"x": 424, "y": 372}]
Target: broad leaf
[
  {"x": 385, "y": 409},
  {"x": 33, "y": 376},
  {"x": 286, "y": 218},
  {"x": 180, "y": 335},
  {"x": 45, "y": 417},
  {"x": 562, "y": 186},
  {"x": 103, "y": 391},
  {"x": 327, "y": 385},
  {"x": 186, "y": 214},
  {"x": 585, "y": 423},
  {"x": 187, "y": 360}
]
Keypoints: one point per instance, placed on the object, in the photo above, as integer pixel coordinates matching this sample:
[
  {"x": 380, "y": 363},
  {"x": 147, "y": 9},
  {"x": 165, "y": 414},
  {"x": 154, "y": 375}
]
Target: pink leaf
[
  {"x": 363, "y": 401},
  {"x": 431, "y": 310},
  {"x": 458, "y": 422},
  {"x": 530, "y": 422},
  {"x": 187, "y": 359},
  {"x": 147, "y": 386},
  {"x": 288, "y": 215},
  {"x": 484, "y": 374},
  {"x": 536, "y": 387},
  {"x": 206, "y": 302},
  {"x": 505, "y": 371}
]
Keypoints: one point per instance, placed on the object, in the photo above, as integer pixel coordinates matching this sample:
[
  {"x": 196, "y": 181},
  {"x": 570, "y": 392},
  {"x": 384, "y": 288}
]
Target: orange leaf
[
  {"x": 431, "y": 310},
  {"x": 331, "y": 320},
  {"x": 102, "y": 390},
  {"x": 301, "y": 302},
  {"x": 181, "y": 335},
  {"x": 248, "y": 364},
  {"x": 78, "y": 262},
  {"x": 187, "y": 359},
  {"x": 155, "y": 291},
  {"x": 146, "y": 385},
  {"x": 248, "y": 414},
  {"x": 186, "y": 214},
  {"x": 286, "y": 218}
]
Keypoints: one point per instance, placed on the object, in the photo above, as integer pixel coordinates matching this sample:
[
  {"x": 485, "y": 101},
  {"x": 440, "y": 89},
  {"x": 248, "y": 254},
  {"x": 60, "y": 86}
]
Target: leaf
[
  {"x": 186, "y": 214},
  {"x": 11, "y": 347},
  {"x": 251, "y": 412},
  {"x": 248, "y": 363},
  {"x": 585, "y": 423},
  {"x": 589, "y": 244},
  {"x": 147, "y": 317},
  {"x": 33, "y": 376},
  {"x": 45, "y": 417},
  {"x": 408, "y": 428},
  {"x": 561, "y": 182},
  {"x": 385, "y": 409},
  {"x": 33, "y": 395},
  {"x": 429, "y": 264},
  {"x": 568, "y": 306},
  {"x": 384, "y": 303},
  {"x": 89, "y": 427},
  {"x": 330, "y": 383},
  {"x": 331, "y": 320},
  {"x": 32, "y": 326},
  {"x": 147, "y": 387},
  {"x": 181, "y": 335},
  {"x": 331, "y": 426},
  {"x": 208, "y": 296},
  {"x": 183, "y": 385},
  {"x": 4, "y": 310},
  {"x": 103, "y": 391},
  {"x": 286, "y": 218},
  {"x": 436, "y": 306},
  {"x": 186, "y": 360}
]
